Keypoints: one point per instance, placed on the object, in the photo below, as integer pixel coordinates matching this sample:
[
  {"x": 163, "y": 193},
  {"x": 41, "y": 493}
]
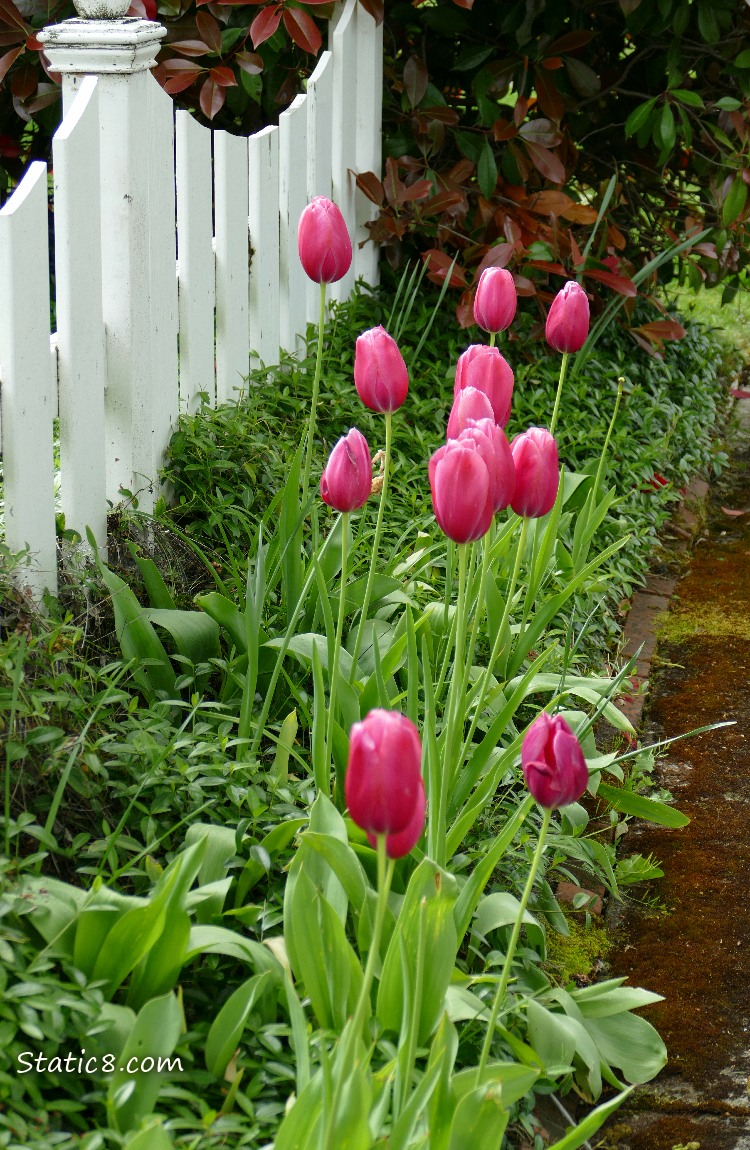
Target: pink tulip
[
  {"x": 469, "y": 404},
  {"x": 537, "y": 477},
  {"x": 380, "y": 374},
  {"x": 461, "y": 494},
  {"x": 495, "y": 299},
  {"x": 347, "y": 479},
  {"x": 568, "y": 319},
  {"x": 325, "y": 250},
  {"x": 484, "y": 368},
  {"x": 384, "y": 789},
  {"x": 493, "y": 446},
  {"x": 400, "y": 843},
  {"x": 553, "y": 764}
]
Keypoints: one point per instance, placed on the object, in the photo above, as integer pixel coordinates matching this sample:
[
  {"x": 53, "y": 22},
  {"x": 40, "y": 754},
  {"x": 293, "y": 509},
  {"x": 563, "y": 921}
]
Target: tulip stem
[
  {"x": 481, "y": 595},
  {"x": 520, "y": 549},
  {"x": 375, "y": 545},
  {"x": 315, "y": 390},
  {"x": 492, "y": 338},
  {"x": 454, "y": 709},
  {"x": 560, "y": 382},
  {"x": 502, "y": 985},
  {"x": 355, "y": 1024},
  {"x": 334, "y": 669}
]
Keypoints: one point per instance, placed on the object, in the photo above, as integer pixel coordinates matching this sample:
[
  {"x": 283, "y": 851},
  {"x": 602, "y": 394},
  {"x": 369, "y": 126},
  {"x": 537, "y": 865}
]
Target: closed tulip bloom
[
  {"x": 495, "y": 299},
  {"x": 380, "y": 375},
  {"x": 469, "y": 404},
  {"x": 537, "y": 476},
  {"x": 347, "y": 479},
  {"x": 400, "y": 843},
  {"x": 325, "y": 250},
  {"x": 493, "y": 446},
  {"x": 461, "y": 494},
  {"x": 383, "y": 788},
  {"x": 485, "y": 368},
  {"x": 568, "y": 319},
  {"x": 553, "y": 764}
]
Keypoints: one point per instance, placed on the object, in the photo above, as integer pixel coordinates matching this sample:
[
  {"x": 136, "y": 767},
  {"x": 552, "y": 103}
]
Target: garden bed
[{"x": 111, "y": 781}]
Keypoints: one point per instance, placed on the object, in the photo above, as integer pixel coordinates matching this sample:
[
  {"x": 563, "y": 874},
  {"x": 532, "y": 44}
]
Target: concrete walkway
[{"x": 694, "y": 946}]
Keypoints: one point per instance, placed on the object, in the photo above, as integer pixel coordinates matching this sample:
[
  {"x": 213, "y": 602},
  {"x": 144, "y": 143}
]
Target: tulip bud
[
  {"x": 380, "y": 374},
  {"x": 400, "y": 843},
  {"x": 470, "y": 404},
  {"x": 537, "y": 477},
  {"x": 347, "y": 479},
  {"x": 553, "y": 764},
  {"x": 325, "y": 249},
  {"x": 486, "y": 369},
  {"x": 491, "y": 443},
  {"x": 495, "y": 300},
  {"x": 568, "y": 319},
  {"x": 461, "y": 495},
  {"x": 384, "y": 789}
]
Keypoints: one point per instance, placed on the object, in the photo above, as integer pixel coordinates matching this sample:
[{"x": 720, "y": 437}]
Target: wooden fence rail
[{"x": 140, "y": 192}]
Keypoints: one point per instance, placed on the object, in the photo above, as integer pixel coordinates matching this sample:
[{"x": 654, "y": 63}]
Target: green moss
[
  {"x": 574, "y": 956},
  {"x": 680, "y": 625}
]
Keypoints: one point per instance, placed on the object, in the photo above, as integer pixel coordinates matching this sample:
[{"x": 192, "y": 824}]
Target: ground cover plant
[{"x": 301, "y": 840}]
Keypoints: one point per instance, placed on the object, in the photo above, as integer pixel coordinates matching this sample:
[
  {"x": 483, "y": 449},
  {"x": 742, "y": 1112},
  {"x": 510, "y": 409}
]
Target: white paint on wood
[
  {"x": 368, "y": 138},
  {"x": 195, "y": 260},
  {"x": 263, "y": 217},
  {"x": 27, "y": 397},
  {"x": 80, "y": 350},
  {"x": 163, "y": 392},
  {"x": 345, "y": 89},
  {"x": 319, "y": 151},
  {"x": 232, "y": 259},
  {"x": 292, "y": 200}
]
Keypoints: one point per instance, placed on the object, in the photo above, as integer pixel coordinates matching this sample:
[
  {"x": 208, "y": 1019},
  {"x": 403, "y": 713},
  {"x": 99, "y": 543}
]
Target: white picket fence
[{"x": 139, "y": 193}]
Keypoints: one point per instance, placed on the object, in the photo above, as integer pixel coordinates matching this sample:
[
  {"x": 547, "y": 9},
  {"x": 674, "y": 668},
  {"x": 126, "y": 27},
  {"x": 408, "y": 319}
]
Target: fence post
[{"x": 121, "y": 52}]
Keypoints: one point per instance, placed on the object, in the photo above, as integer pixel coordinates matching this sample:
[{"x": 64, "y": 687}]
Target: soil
[{"x": 694, "y": 947}]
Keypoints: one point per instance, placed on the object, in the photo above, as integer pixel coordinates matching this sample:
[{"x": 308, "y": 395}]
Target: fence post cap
[{"x": 84, "y": 46}]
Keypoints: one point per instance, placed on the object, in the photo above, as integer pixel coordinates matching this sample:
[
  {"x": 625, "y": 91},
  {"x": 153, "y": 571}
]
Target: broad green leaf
[
  {"x": 160, "y": 968},
  {"x": 686, "y": 96},
  {"x": 130, "y": 938},
  {"x": 219, "y": 940},
  {"x": 300, "y": 1128},
  {"x": 560, "y": 1040},
  {"x": 479, "y": 1120},
  {"x": 227, "y": 1027},
  {"x": 321, "y": 956},
  {"x": 486, "y": 170},
  {"x": 501, "y": 909},
  {"x": 218, "y": 850},
  {"x": 152, "y": 1137},
  {"x": 156, "y": 588},
  {"x": 511, "y": 1080},
  {"x": 287, "y": 735},
  {"x": 131, "y": 1097},
  {"x": 138, "y": 640},
  {"x": 443, "y": 1051},
  {"x": 226, "y": 614},
  {"x": 639, "y": 117},
  {"x": 590, "y": 1124},
  {"x": 344, "y": 863},
  {"x": 93, "y": 925},
  {"x": 438, "y": 888},
  {"x": 301, "y": 646},
  {"x": 735, "y": 202},
  {"x": 421, "y": 1096},
  {"x": 195, "y": 634},
  {"x": 651, "y": 810},
  {"x": 630, "y": 1043},
  {"x": 602, "y": 999}
]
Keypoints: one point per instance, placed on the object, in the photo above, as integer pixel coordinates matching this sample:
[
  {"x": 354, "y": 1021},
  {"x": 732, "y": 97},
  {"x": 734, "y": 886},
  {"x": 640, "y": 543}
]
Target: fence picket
[
  {"x": 263, "y": 220},
  {"x": 81, "y": 354},
  {"x": 27, "y": 394},
  {"x": 232, "y": 261},
  {"x": 319, "y": 150},
  {"x": 368, "y": 136},
  {"x": 195, "y": 260},
  {"x": 345, "y": 89},
  {"x": 292, "y": 200},
  {"x": 162, "y": 246}
]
